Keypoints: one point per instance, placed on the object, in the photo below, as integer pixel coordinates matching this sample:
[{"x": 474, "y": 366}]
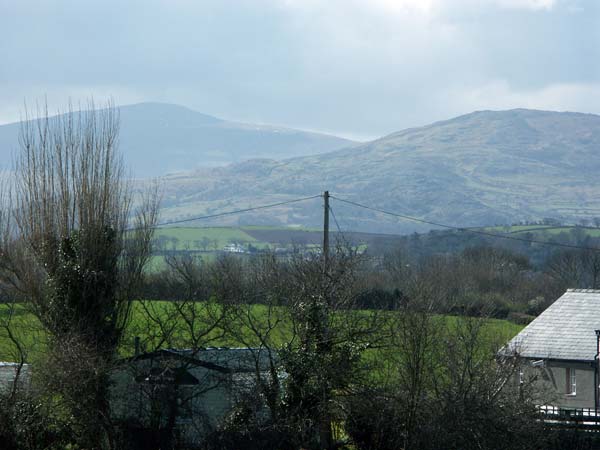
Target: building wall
[
  {"x": 201, "y": 408},
  {"x": 131, "y": 399},
  {"x": 551, "y": 383},
  {"x": 8, "y": 372}
]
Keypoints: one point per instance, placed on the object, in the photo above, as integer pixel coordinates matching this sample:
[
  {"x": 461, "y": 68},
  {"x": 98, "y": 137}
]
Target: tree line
[{"x": 480, "y": 280}]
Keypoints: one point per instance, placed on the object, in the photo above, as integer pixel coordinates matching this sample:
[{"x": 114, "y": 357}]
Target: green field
[
  {"x": 27, "y": 329},
  {"x": 207, "y": 240},
  {"x": 215, "y": 238},
  {"x": 190, "y": 238}
]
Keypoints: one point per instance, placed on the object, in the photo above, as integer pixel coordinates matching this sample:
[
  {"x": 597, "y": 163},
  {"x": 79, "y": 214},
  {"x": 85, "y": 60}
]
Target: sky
[{"x": 356, "y": 68}]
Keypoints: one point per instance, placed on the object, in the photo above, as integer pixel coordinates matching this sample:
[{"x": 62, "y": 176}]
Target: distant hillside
[
  {"x": 158, "y": 138},
  {"x": 483, "y": 168}
]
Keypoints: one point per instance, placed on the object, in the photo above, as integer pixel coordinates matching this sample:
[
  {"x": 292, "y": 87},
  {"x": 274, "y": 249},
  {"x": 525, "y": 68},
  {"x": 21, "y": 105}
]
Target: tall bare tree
[{"x": 76, "y": 252}]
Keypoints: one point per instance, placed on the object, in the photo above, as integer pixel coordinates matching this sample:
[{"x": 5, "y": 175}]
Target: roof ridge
[{"x": 588, "y": 291}]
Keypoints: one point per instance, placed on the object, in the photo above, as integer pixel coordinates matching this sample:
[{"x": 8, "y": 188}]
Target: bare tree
[
  {"x": 575, "y": 268},
  {"x": 296, "y": 317},
  {"x": 73, "y": 255},
  {"x": 12, "y": 330},
  {"x": 591, "y": 261},
  {"x": 195, "y": 320},
  {"x": 388, "y": 410},
  {"x": 446, "y": 387}
]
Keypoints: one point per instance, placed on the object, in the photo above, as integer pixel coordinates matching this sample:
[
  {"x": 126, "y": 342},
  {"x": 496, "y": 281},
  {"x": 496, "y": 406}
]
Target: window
[{"x": 571, "y": 379}]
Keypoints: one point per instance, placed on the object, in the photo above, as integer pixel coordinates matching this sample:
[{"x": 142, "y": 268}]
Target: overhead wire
[
  {"x": 378, "y": 210},
  {"x": 467, "y": 230},
  {"x": 230, "y": 213},
  {"x": 340, "y": 232}
]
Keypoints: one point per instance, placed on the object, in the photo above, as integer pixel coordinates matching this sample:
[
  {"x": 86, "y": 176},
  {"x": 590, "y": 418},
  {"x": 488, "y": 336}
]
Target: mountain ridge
[
  {"x": 181, "y": 138},
  {"x": 477, "y": 169},
  {"x": 482, "y": 168}
]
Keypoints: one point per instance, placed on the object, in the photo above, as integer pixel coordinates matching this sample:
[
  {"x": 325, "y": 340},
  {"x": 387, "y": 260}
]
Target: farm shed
[{"x": 179, "y": 396}]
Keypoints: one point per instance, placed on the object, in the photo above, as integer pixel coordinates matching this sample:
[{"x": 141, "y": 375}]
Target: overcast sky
[{"x": 358, "y": 68}]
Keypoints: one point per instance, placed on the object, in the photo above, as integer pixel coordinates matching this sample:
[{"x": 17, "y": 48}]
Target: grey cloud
[{"x": 337, "y": 65}]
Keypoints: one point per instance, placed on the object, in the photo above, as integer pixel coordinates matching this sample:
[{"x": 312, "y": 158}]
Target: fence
[{"x": 588, "y": 418}]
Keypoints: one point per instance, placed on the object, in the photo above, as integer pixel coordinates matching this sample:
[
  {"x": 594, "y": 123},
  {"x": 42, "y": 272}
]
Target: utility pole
[
  {"x": 325, "y": 425},
  {"x": 326, "y": 229},
  {"x": 596, "y": 374}
]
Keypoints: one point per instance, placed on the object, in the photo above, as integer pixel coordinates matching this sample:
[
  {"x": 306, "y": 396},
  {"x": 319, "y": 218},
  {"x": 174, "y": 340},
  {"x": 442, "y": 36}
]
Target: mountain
[
  {"x": 487, "y": 167},
  {"x": 158, "y": 138}
]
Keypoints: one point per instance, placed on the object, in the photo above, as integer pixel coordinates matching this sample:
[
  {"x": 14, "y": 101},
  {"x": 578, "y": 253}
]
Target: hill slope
[
  {"x": 479, "y": 169},
  {"x": 158, "y": 138}
]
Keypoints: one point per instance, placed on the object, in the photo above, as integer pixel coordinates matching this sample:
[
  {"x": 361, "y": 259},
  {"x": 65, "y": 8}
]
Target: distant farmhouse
[
  {"x": 234, "y": 248},
  {"x": 560, "y": 351},
  {"x": 183, "y": 395}
]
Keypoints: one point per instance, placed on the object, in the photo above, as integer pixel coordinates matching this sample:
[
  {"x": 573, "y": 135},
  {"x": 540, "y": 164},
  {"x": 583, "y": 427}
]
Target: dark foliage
[{"x": 26, "y": 424}]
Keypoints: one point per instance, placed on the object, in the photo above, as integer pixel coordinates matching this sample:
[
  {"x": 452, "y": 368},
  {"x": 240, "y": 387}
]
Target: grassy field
[
  {"x": 213, "y": 239},
  {"x": 190, "y": 238},
  {"x": 28, "y": 330},
  {"x": 25, "y": 328},
  {"x": 209, "y": 242}
]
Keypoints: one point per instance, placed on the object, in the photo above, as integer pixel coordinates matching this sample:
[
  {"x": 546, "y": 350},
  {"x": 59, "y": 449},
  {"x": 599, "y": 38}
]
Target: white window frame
[{"x": 571, "y": 381}]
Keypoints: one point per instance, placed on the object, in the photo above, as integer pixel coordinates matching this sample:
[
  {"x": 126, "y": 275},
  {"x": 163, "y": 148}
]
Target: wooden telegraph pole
[
  {"x": 325, "y": 230},
  {"x": 325, "y": 426}
]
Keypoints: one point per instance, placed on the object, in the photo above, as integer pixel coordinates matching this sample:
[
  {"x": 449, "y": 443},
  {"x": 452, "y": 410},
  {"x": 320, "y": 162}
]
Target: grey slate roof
[
  {"x": 234, "y": 359},
  {"x": 222, "y": 359},
  {"x": 563, "y": 331}
]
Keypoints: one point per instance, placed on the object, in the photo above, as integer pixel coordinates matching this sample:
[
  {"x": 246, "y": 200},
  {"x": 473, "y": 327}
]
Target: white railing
[{"x": 583, "y": 416}]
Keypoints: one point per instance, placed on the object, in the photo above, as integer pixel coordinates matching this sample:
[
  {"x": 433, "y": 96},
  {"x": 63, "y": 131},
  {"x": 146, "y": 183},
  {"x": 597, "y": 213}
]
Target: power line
[
  {"x": 230, "y": 213},
  {"x": 371, "y": 208},
  {"x": 340, "y": 232},
  {"x": 468, "y": 230},
  {"x": 335, "y": 220}
]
